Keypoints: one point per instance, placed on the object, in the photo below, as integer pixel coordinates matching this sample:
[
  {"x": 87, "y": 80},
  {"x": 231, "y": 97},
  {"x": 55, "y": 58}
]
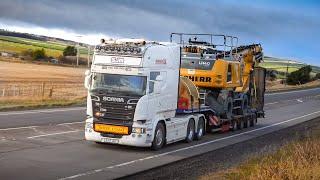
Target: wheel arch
[{"x": 165, "y": 128}]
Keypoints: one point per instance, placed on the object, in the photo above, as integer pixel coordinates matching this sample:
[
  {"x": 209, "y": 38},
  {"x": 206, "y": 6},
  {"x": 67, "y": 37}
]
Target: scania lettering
[{"x": 114, "y": 99}]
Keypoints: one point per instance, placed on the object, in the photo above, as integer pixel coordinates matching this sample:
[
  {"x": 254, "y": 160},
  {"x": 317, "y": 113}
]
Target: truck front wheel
[{"x": 159, "y": 137}]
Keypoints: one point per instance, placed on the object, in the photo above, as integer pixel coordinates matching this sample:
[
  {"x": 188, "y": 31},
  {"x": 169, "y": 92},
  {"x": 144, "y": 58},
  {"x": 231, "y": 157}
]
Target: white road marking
[
  {"x": 44, "y": 135},
  {"x": 272, "y": 103},
  {"x": 182, "y": 149},
  {"x": 78, "y": 122},
  {"x": 41, "y": 111},
  {"x": 69, "y": 125},
  {"x": 15, "y": 128},
  {"x": 32, "y": 127},
  {"x": 288, "y": 92},
  {"x": 299, "y": 100}
]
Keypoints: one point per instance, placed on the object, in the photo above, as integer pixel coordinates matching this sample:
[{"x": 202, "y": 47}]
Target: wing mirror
[{"x": 87, "y": 79}]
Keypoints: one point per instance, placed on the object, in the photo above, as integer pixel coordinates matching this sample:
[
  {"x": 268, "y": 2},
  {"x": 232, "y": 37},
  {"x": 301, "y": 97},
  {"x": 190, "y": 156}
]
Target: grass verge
[
  {"x": 23, "y": 104},
  {"x": 297, "y": 160}
]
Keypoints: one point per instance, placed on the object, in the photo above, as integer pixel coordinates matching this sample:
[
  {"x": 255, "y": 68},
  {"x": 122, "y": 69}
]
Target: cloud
[
  {"x": 155, "y": 19},
  {"x": 107, "y": 17},
  {"x": 271, "y": 25}
]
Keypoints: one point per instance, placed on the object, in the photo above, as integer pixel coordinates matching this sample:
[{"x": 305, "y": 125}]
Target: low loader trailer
[{"x": 137, "y": 96}]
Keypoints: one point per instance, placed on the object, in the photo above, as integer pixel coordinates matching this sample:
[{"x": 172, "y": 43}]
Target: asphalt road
[
  {"x": 210, "y": 165},
  {"x": 75, "y": 114},
  {"x": 48, "y": 144}
]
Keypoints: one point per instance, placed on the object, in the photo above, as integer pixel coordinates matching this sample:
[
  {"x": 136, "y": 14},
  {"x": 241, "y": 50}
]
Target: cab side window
[{"x": 153, "y": 76}]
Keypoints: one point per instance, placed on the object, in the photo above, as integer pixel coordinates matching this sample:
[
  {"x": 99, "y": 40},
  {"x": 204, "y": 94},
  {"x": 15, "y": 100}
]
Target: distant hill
[
  {"x": 14, "y": 42},
  {"x": 18, "y": 42},
  {"x": 37, "y": 37},
  {"x": 281, "y": 65}
]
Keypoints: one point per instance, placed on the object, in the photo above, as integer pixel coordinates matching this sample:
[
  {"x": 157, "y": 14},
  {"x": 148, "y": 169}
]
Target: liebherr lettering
[{"x": 199, "y": 79}]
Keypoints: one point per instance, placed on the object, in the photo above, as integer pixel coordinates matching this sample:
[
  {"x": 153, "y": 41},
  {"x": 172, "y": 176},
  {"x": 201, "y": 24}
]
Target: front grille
[
  {"x": 115, "y": 111},
  {"x": 119, "y": 113}
]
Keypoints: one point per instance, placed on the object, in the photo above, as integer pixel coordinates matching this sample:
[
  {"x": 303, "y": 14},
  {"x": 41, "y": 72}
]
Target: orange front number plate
[{"x": 106, "y": 128}]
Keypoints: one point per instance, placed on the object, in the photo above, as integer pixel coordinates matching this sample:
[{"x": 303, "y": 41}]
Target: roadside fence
[{"x": 43, "y": 90}]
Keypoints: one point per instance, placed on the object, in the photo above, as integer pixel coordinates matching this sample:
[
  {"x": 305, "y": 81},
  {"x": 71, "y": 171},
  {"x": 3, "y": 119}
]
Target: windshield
[{"x": 120, "y": 84}]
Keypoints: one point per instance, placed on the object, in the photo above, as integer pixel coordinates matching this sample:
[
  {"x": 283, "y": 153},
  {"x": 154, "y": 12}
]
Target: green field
[
  {"x": 282, "y": 64},
  {"x": 18, "y": 45},
  {"x": 55, "y": 49}
]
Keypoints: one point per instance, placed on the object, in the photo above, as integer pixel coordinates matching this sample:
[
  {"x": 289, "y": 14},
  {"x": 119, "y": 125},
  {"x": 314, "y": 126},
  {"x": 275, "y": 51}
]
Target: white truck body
[{"x": 137, "y": 91}]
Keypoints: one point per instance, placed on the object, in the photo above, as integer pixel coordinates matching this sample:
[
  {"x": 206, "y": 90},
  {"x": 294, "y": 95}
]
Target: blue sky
[{"x": 289, "y": 29}]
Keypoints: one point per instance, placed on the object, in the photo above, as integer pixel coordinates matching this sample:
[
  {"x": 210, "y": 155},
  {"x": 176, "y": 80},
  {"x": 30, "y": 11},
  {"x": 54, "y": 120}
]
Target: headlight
[
  {"x": 99, "y": 114},
  {"x": 139, "y": 130}
]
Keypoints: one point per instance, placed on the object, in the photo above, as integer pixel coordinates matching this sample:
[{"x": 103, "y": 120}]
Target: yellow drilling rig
[{"x": 227, "y": 76}]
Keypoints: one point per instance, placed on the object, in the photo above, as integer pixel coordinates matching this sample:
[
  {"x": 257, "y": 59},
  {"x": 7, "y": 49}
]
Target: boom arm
[{"x": 250, "y": 56}]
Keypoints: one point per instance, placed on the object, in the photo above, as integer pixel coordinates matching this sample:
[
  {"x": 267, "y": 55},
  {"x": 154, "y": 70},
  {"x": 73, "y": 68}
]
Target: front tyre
[{"x": 159, "y": 137}]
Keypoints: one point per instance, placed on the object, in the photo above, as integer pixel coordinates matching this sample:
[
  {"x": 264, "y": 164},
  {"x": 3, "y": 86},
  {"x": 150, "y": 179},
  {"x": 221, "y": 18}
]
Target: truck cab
[{"x": 132, "y": 88}]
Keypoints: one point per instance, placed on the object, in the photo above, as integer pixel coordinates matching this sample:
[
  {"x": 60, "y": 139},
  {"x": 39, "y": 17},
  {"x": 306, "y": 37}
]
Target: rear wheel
[
  {"x": 253, "y": 121},
  {"x": 190, "y": 131},
  {"x": 159, "y": 137},
  {"x": 240, "y": 124},
  {"x": 244, "y": 105},
  {"x": 247, "y": 123},
  {"x": 229, "y": 107},
  {"x": 200, "y": 129},
  {"x": 234, "y": 125}
]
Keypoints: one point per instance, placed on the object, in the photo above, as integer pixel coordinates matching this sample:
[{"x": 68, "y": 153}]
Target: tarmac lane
[{"x": 57, "y": 149}]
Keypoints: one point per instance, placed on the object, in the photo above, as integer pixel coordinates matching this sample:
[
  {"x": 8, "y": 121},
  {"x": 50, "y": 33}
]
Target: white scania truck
[
  {"x": 138, "y": 97},
  {"x": 133, "y": 95}
]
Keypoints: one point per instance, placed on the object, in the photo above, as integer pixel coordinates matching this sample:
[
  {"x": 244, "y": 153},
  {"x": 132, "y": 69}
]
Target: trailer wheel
[
  {"x": 159, "y": 137},
  {"x": 253, "y": 121},
  {"x": 234, "y": 125},
  {"x": 247, "y": 123},
  {"x": 244, "y": 105},
  {"x": 190, "y": 131},
  {"x": 229, "y": 108},
  {"x": 240, "y": 124},
  {"x": 200, "y": 129}
]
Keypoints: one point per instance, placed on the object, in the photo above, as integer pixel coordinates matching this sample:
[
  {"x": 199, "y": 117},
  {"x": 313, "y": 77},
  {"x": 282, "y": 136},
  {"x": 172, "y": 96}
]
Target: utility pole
[
  {"x": 78, "y": 54},
  {"x": 78, "y": 50},
  {"x": 287, "y": 74},
  {"x": 88, "y": 56}
]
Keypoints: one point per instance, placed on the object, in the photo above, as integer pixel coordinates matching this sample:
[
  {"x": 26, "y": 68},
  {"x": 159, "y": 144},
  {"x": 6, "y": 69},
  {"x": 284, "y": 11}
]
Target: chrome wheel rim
[
  {"x": 200, "y": 131},
  {"x": 190, "y": 136},
  {"x": 159, "y": 136}
]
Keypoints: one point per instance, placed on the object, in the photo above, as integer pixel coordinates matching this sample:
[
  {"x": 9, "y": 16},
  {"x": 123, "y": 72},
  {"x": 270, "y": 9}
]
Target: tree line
[
  {"x": 39, "y": 54},
  {"x": 301, "y": 76}
]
